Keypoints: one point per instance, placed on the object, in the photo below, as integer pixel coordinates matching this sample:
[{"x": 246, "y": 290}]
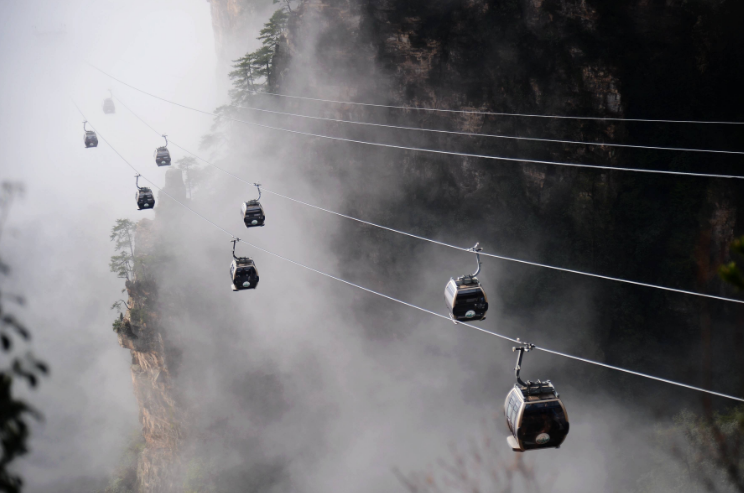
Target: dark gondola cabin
[
  {"x": 253, "y": 214},
  {"x": 145, "y": 198},
  {"x": 244, "y": 274},
  {"x": 536, "y": 417},
  {"x": 108, "y": 106},
  {"x": 91, "y": 139},
  {"x": 162, "y": 156},
  {"x": 466, "y": 299},
  {"x": 535, "y": 414}
]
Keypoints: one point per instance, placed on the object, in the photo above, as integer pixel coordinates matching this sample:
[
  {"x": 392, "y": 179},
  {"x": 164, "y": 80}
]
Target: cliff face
[
  {"x": 155, "y": 360},
  {"x": 580, "y": 57}
]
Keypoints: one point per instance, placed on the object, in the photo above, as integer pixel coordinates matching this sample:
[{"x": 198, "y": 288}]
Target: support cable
[
  {"x": 432, "y": 151},
  {"x": 150, "y": 181},
  {"x": 493, "y": 113},
  {"x": 410, "y": 305},
  {"x": 495, "y": 136},
  {"x": 441, "y": 243}
]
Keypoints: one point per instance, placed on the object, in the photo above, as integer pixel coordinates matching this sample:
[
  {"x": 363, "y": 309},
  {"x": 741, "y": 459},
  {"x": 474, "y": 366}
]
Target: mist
[{"x": 304, "y": 384}]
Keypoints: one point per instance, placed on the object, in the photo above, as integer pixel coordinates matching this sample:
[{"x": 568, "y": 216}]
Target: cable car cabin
[
  {"x": 91, "y": 139},
  {"x": 162, "y": 156},
  {"x": 108, "y": 106},
  {"x": 244, "y": 274},
  {"x": 145, "y": 198},
  {"x": 466, "y": 299},
  {"x": 535, "y": 416},
  {"x": 253, "y": 214}
]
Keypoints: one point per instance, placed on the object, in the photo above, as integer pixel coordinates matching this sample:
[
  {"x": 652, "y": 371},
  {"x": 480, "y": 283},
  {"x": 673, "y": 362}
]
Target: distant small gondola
[
  {"x": 465, "y": 297},
  {"x": 243, "y": 272},
  {"x": 90, "y": 139},
  {"x": 144, "y": 197},
  {"x": 162, "y": 156},
  {"x": 108, "y": 105},
  {"x": 534, "y": 412},
  {"x": 253, "y": 212}
]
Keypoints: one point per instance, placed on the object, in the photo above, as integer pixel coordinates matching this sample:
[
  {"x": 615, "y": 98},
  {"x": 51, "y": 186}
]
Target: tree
[
  {"x": 14, "y": 428},
  {"x": 730, "y": 272},
  {"x": 479, "y": 467},
  {"x": 187, "y": 163},
  {"x": 253, "y": 71},
  {"x": 708, "y": 452},
  {"x": 287, "y": 4},
  {"x": 123, "y": 264}
]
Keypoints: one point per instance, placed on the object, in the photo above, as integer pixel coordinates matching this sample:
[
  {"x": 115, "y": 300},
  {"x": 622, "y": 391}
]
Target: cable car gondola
[
  {"x": 465, "y": 297},
  {"x": 243, "y": 272},
  {"x": 253, "y": 212},
  {"x": 534, "y": 412},
  {"x": 91, "y": 139},
  {"x": 108, "y": 104},
  {"x": 162, "y": 156},
  {"x": 144, "y": 197}
]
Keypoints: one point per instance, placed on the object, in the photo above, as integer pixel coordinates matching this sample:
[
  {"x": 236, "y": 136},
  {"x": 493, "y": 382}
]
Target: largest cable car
[
  {"x": 465, "y": 297},
  {"x": 162, "y": 156},
  {"x": 243, "y": 272},
  {"x": 534, "y": 412}
]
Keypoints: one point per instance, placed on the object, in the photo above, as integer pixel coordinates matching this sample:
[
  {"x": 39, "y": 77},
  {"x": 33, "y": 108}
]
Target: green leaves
[
  {"x": 252, "y": 72},
  {"x": 730, "y": 272},
  {"x": 123, "y": 235}
]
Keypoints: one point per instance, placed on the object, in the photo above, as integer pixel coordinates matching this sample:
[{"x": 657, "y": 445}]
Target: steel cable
[
  {"x": 494, "y": 113},
  {"x": 441, "y": 243},
  {"x": 426, "y": 150},
  {"x": 410, "y": 305}
]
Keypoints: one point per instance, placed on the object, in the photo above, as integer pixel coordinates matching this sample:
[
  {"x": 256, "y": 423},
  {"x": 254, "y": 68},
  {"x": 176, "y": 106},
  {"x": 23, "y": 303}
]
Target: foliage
[
  {"x": 189, "y": 165},
  {"x": 706, "y": 451},
  {"x": 125, "y": 477},
  {"x": 253, "y": 71},
  {"x": 123, "y": 234},
  {"x": 479, "y": 468},
  {"x": 14, "y": 429},
  {"x": 730, "y": 272},
  {"x": 199, "y": 477}
]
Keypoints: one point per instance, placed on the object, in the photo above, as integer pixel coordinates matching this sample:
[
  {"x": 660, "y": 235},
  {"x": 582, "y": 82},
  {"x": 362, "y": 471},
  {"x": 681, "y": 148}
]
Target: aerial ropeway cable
[
  {"x": 495, "y": 136},
  {"x": 410, "y": 305},
  {"x": 434, "y": 151},
  {"x": 476, "y": 112},
  {"x": 495, "y": 113},
  {"x": 436, "y": 242}
]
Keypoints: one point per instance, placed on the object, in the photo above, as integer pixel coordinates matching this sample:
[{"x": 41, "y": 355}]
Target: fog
[{"x": 325, "y": 385}]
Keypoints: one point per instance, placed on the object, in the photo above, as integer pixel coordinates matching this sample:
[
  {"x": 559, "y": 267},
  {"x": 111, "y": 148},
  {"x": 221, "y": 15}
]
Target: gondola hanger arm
[
  {"x": 476, "y": 249},
  {"x": 524, "y": 348}
]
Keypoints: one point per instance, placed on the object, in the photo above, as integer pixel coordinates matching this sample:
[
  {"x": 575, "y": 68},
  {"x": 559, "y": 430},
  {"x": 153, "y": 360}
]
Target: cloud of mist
[{"x": 304, "y": 381}]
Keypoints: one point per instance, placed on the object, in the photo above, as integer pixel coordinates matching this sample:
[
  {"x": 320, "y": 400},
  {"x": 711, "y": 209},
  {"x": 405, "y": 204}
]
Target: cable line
[
  {"x": 493, "y": 113},
  {"x": 496, "y": 136},
  {"x": 432, "y": 151},
  {"x": 441, "y": 243},
  {"x": 149, "y": 180},
  {"x": 410, "y": 305}
]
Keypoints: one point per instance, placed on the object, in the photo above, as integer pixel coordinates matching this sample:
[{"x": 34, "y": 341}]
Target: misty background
[{"x": 304, "y": 381}]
